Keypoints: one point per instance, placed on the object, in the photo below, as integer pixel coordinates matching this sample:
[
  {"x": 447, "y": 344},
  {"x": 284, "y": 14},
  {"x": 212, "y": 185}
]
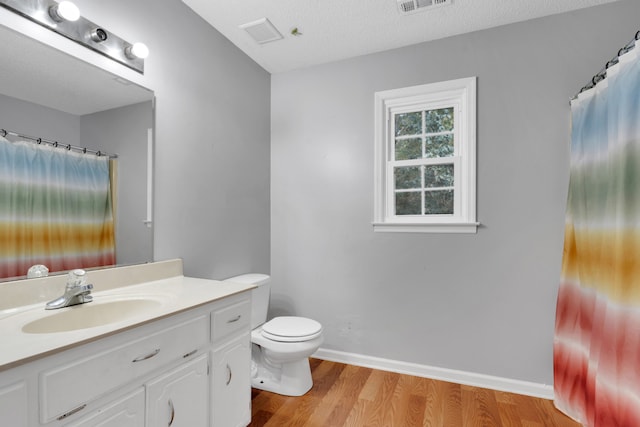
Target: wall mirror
[{"x": 46, "y": 93}]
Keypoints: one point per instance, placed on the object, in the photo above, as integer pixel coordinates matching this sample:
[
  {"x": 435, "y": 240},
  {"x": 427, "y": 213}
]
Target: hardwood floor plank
[
  {"x": 351, "y": 396},
  {"x": 452, "y": 395},
  {"x": 480, "y": 407},
  {"x": 550, "y": 415},
  {"x": 415, "y": 411},
  {"x": 406, "y": 405},
  {"x": 382, "y": 402},
  {"x": 509, "y": 414},
  {"x": 358, "y": 413},
  {"x": 260, "y": 417},
  {"x": 434, "y": 409},
  {"x": 371, "y": 387},
  {"x": 526, "y": 409},
  {"x": 338, "y": 402}
]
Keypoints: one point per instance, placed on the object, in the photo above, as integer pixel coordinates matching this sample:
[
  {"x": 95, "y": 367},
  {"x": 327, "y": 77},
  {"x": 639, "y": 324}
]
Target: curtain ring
[
  {"x": 39, "y": 141},
  {"x": 69, "y": 147},
  {"x": 99, "y": 153},
  {"x": 637, "y": 36},
  {"x": 84, "y": 150},
  {"x": 597, "y": 78},
  {"x": 55, "y": 144},
  {"x": 4, "y": 132}
]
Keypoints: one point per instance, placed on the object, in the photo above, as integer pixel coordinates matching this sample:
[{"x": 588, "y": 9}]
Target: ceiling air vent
[
  {"x": 262, "y": 31},
  {"x": 412, "y": 6}
]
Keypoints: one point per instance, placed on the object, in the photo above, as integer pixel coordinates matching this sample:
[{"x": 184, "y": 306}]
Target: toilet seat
[{"x": 291, "y": 329}]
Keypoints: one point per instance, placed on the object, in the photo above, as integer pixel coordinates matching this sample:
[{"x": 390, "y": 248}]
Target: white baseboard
[{"x": 527, "y": 388}]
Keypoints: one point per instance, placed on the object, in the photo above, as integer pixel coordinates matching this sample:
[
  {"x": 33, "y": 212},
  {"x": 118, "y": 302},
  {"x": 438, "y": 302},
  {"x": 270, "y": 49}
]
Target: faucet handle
[{"x": 76, "y": 278}]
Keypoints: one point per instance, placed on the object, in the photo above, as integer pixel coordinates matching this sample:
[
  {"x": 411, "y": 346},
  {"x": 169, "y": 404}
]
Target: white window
[{"x": 425, "y": 158}]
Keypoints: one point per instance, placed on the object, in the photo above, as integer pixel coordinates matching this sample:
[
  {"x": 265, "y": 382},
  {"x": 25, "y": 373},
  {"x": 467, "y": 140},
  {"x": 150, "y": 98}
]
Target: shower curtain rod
[
  {"x": 602, "y": 74},
  {"x": 56, "y": 144}
]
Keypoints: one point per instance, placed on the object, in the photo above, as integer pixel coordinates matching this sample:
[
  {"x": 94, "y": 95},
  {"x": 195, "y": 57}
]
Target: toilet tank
[{"x": 259, "y": 295}]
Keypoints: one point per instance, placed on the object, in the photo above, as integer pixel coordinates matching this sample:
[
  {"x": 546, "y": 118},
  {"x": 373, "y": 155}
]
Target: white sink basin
[{"x": 89, "y": 315}]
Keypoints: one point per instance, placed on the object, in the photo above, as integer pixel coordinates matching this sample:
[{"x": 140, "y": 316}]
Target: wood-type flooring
[{"x": 346, "y": 395}]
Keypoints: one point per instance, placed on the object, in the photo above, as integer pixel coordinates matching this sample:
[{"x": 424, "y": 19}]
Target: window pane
[
  {"x": 438, "y": 176},
  {"x": 407, "y": 149},
  {"x": 409, "y": 124},
  {"x": 408, "y": 177},
  {"x": 440, "y": 120},
  {"x": 438, "y": 202},
  {"x": 408, "y": 203},
  {"x": 439, "y": 146}
]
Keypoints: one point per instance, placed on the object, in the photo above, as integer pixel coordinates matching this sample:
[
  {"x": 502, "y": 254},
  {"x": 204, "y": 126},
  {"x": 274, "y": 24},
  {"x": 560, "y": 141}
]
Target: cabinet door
[
  {"x": 127, "y": 411},
  {"x": 13, "y": 405},
  {"x": 180, "y": 398},
  {"x": 231, "y": 384}
]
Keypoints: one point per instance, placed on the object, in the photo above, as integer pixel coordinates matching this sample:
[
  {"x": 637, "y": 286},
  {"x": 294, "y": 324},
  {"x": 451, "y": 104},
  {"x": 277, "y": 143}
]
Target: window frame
[{"x": 459, "y": 94}]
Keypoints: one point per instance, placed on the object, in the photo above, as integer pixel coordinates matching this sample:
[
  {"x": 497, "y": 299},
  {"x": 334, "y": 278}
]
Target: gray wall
[
  {"x": 481, "y": 303},
  {"x": 124, "y": 131},
  {"x": 212, "y": 137},
  {"x": 35, "y": 120}
]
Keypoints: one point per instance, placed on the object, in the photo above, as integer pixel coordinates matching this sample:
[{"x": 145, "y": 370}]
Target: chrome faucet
[{"x": 76, "y": 292}]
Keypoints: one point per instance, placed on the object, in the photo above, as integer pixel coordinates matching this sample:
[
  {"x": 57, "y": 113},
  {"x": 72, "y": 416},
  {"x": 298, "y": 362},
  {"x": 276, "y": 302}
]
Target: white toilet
[{"x": 281, "y": 347}]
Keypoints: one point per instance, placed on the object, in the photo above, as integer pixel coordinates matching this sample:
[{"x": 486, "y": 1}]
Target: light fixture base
[{"x": 81, "y": 31}]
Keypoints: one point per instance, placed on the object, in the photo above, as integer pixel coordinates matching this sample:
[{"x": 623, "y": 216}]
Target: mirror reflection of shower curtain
[
  {"x": 55, "y": 209},
  {"x": 597, "y": 333}
]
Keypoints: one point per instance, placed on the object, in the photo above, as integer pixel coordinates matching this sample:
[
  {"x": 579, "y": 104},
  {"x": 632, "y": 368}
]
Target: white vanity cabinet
[
  {"x": 180, "y": 398},
  {"x": 231, "y": 360},
  {"x": 231, "y": 384},
  {"x": 189, "y": 369},
  {"x": 14, "y": 405}
]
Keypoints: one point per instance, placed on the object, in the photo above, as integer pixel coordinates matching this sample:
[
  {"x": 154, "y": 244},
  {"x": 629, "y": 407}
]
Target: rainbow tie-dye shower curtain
[
  {"x": 597, "y": 336},
  {"x": 55, "y": 209}
]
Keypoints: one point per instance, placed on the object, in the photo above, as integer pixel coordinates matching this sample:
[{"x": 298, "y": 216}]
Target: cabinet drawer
[
  {"x": 70, "y": 386},
  {"x": 229, "y": 320},
  {"x": 127, "y": 411}
]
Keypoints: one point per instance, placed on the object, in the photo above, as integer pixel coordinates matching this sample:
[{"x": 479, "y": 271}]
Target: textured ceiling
[{"x": 338, "y": 29}]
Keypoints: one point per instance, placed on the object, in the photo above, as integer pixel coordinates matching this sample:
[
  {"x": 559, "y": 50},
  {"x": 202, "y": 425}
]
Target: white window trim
[{"x": 462, "y": 94}]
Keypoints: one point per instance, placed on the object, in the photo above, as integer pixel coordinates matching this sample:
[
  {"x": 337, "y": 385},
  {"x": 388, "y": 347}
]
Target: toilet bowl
[{"x": 280, "y": 348}]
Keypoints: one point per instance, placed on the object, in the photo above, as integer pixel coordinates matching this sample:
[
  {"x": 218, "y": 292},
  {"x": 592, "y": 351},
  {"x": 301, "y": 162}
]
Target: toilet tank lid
[{"x": 251, "y": 278}]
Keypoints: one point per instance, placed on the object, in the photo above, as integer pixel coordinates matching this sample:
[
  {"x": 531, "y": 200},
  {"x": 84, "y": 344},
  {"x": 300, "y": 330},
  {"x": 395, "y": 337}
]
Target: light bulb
[
  {"x": 137, "y": 50},
  {"x": 65, "y": 11}
]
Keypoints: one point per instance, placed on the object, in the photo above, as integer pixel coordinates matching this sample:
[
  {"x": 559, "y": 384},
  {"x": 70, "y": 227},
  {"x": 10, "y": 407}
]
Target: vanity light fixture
[
  {"x": 64, "y": 18},
  {"x": 137, "y": 50},
  {"x": 64, "y": 11}
]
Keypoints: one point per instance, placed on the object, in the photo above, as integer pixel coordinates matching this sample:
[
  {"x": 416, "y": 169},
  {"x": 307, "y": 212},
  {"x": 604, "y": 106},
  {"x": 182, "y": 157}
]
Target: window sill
[{"x": 444, "y": 227}]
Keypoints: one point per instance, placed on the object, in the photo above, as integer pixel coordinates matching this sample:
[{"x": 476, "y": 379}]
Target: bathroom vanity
[{"x": 154, "y": 348}]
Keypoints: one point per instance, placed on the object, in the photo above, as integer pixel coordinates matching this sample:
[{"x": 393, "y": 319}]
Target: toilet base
[{"x": 288, "y": 379}]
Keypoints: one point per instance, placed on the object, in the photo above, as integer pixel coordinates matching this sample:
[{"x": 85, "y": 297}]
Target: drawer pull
[
  {"x": 173, "y": 413},
  {"x": 71, "y": 412},
  {"x": 229, "y": 374},
  {"x": 148, "y": 356},
  {"x": 191, "y": 353},
  {"x": 235, "y": 319}
]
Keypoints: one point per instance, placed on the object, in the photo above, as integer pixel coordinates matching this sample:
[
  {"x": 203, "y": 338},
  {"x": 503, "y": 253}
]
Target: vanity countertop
[{"x": 164, "y": 296}]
